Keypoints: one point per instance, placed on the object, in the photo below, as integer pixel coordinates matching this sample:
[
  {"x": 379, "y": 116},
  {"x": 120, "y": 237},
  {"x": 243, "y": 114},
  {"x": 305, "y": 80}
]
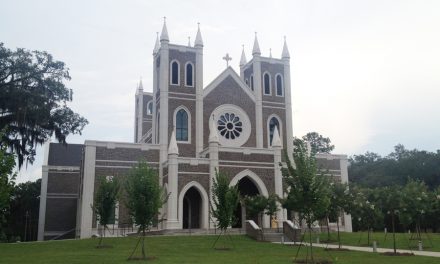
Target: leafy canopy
[
  {"x": 105, "y": 200},
  {"x": 33, "y": 101},
  {"x": 224, "y": 201}
]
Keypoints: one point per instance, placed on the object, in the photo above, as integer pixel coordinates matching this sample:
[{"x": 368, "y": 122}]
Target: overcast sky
[{"x": 364, "y": 73}]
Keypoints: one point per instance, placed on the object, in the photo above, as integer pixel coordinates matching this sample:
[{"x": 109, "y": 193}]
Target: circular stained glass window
[{"x": 229, "y": 125}]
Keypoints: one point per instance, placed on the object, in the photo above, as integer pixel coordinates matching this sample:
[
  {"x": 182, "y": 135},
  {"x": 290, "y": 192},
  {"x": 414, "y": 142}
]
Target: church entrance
[
  {"x": 192, "y": 213},
  {"x": 246, "y": 187}
]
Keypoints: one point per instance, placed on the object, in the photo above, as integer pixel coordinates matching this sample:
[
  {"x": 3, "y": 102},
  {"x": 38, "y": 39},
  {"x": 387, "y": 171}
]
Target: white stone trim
[
  {"x": 182, "y": 48},
  {"x": 246, "y": 150},
  {"x": 171, "y": 72},
  {"x": 43, "y": 199},
  {"x": 244, "y": 118},
  {"x": 273, "y": 107},
  {"x": 228, "y": 72},
  {"x": 193, "y": 69},
  {"x": 204, "y": 207},
  {"x": 110, "y": 144},
  {"x": 180, "y": 98},
  {"x": 244, "y": 166},
  {"x": 88, "y": 184},
  {"x": 280, "y": 129},
  {"x": 255, "y": 179},
  {"x": 270, "y": 83},
  {"x": 185, "y": 94},
  {"x": 276, "y": 85},
  {"x": 182, "y": 107}
]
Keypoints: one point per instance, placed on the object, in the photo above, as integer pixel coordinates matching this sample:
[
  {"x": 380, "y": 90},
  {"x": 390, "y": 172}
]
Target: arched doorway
[
  {"x": 246, "y": 187},
  {"x": 192, "y": 211}
]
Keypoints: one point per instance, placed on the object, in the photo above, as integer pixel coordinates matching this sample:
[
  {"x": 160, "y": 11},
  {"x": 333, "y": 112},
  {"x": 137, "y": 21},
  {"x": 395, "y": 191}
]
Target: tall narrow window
[
  {"x": 150, "y": 108},
  {"x": 266, "y": 82},
  {"x": 279, "y": 81},
  {"x": 182, "y": 125},
  {"x": 272, "y": 123},
  {"x": 174, "y": 72},
  {"x": 189, "y": 75},
  {"x": 252, "y": 82}
]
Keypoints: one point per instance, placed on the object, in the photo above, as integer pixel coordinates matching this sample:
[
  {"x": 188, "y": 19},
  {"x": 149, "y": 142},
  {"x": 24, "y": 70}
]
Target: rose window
[{"x": 230, "y": 126}]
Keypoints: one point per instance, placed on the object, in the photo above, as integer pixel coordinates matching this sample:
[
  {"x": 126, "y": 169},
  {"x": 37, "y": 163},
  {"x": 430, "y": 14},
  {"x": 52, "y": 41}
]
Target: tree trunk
[
  {"x": 368, "y": 236},
  {"x": 311, "y": 244},
  {"x": 143, "y": 243},
  {"x": 339, "y": 237},
  {"x": 394, "y": 233},
  {"x": 328, "y": 230}
]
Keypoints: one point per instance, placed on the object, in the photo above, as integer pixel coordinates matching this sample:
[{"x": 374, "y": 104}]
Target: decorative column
[
  {"x": 173, "y": 172},
  {"x": 288, "y": 100},
  {"x": 198, "y": 44},
  {"x": 258, "y": 93},
  {"x": 213, "y": 161},
  {"x": 88, "y": 184},
  {"x": 278, "y": 177}
]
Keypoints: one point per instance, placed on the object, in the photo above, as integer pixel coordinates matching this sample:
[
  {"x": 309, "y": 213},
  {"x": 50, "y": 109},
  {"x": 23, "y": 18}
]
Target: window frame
[
  {"x": 282, "y": 85},
  {"x": 192, "y": 73},
  {"x": 189, "y": 123},
  {"x": 280, "y": 129},
  {"x": 171, "y": 72},
  {"x": 264, "y": 83}
]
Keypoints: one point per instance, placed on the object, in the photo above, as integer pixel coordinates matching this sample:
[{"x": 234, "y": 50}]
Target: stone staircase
[{"x": 287, "y": 233}]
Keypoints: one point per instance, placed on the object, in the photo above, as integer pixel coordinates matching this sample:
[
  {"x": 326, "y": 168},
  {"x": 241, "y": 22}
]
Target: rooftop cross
[{"x": 227, "y": 59}]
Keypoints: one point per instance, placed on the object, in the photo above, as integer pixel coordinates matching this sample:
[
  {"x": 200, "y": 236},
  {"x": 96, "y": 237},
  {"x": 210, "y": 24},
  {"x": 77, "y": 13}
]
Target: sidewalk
[{"x": 369, "y": 249}]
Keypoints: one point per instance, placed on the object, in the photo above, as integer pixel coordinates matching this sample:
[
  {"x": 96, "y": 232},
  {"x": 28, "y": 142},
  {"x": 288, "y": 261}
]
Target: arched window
[
  {"x": 174, "y": 73},
  {"x": 279, "y": 83},
  {"x": 150, "y": 108},
  {"x": 266, "y": 83},
  {"x": 247, "y": 82},
  {"x": 252, "y": 82},
  {"x": 272, "y": 123},
  {"x": 189, "y": 76},
  {"x": 182, "y": 125}
]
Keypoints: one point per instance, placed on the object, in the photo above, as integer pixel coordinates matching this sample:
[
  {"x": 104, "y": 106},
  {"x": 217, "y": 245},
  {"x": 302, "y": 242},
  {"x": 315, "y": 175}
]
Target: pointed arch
[
  {"x": 204, "y": 207},
  {"x": 272, "y": 121},
  {"x": 266, "y": 83},
  {"x": 279, "y": 84},
  {"x": 189, "y": 74},
  {"x": 255, "y": 179},
  {"x": 174, "y": 72},
  {"x": 150, "y": 107},
  {"x": 182, "y": 123}
]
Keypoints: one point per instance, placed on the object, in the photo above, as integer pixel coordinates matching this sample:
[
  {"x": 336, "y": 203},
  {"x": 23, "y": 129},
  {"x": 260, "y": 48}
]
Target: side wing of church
[{"x": 238, "y": 124}]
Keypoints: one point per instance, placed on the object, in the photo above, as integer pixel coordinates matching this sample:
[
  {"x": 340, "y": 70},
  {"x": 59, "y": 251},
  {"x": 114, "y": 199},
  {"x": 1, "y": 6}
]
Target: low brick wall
[
  {"x": 253, "y": 231},
  {"x": 292, "y": 233}
]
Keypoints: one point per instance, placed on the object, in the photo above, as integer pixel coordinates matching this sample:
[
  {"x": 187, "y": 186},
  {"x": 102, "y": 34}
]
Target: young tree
[
  {"x": 391, "y": 198},
  {"x": 224, "y": 201},
  {"x": 307, "y": 192},
  {"x": 144, "y": 198},
  {"x": 272, "y": 205},
  {"x": 7, "y": 164},
  {"x": 340, "y": 201},
  {"x": 33, "y": 101},
  {"x": 105, "y": 203},
  {"x": 255, "y": 207}
]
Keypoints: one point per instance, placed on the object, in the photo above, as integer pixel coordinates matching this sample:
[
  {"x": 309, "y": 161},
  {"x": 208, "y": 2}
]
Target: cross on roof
[{"x": 227, "y": 59}]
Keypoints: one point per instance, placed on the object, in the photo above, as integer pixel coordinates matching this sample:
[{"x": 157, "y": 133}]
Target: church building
[{"x": 238, "y": 124}]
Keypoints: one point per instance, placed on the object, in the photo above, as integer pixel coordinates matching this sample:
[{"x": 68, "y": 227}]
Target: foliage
[
  {"x": 25, "y": 205},
  {"x": 7, "y": 164},
  {"x": 255, "y": 206},
  {"x": 224, "y": 201},
  {"x": 391, "y": 198},
  {"x": 105, "y": 202},
  {"x": 319, "y": 143},
  {"x": 272, "y": 205},
  {"x": 365, "y": 211},
  {"x": 307, "y": 192},
  {"x": 340, "y": 202},
  {"x": 144, "y": 198},
  {"x": 400, "y": 166},
  {"x": 33, "y": 101},
  {"x": 415, "y": 203}
]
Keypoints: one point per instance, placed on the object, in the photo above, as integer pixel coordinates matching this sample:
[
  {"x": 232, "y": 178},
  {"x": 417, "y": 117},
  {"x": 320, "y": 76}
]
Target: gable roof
[{"x": 226, "y": 73}]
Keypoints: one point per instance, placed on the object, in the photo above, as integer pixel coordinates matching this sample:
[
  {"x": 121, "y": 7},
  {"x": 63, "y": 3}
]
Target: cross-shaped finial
[
  {"x": 189, "y": 41},
  {"x": 164, "y": 19},
  {"x": 270, "y": 52},
  {"x": 227, "y": 59}
]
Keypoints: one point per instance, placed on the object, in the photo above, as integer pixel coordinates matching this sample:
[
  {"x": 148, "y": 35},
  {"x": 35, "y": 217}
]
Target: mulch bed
[{"x": 398, "y": 254}]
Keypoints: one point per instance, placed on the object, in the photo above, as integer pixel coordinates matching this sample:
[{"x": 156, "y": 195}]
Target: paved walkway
[{"x": 369, "y": 249}]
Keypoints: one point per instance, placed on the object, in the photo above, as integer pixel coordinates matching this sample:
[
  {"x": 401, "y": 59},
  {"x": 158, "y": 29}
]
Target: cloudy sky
[{"x": 364, "y": 73}]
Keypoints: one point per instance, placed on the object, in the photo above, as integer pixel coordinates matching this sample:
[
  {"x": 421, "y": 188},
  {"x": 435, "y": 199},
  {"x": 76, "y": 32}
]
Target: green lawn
[
  {"x": 431, "y": 242},
  {"x": 178, "y": 249}
]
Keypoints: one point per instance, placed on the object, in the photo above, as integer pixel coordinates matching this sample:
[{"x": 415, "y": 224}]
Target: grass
[
  {"x": 431, "y": 242},
  {"x": 179, "y": 249}
]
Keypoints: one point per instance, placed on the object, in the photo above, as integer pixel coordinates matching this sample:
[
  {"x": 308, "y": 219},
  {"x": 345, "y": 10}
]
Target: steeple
[
  {"x": 285, "y": 54},
  {"x": 173, "y": 149},
  {"x": 140, "y": 87},
  {"x": 256, "y": 48},
  {"x": 243, "y": 58},
  {"x": 156, "y": 46},
  {"x": 198, "y": 42},
  {"x": 213, "y": 136},
  {"x": 189, "y": 41},
  {"x": 276, "y": 141},
  {"x": 164, "y": 34}
]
